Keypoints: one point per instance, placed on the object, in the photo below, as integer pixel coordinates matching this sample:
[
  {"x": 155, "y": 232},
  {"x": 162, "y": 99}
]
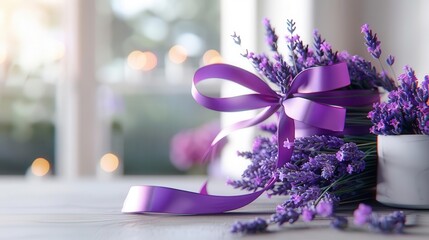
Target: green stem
[{"x": 327, "y": 189}]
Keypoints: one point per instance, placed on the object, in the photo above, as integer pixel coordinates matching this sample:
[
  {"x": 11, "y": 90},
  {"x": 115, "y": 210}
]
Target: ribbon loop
[
  {"x": 321, "y": 79},
  {"x": 315, "y": 114}
]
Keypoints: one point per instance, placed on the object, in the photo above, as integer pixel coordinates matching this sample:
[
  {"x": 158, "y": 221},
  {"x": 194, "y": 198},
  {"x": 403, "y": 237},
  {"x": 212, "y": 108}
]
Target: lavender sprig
[
  {"x": 291, "y": 40},
  {"x": 317, "y": 43},
  {"x": 363, "y": 216},
  {"x": 253, "y": 226},
  {"x": 271, "y": 36},
  {"x": 371, "y": 41},
  {"x": 374, "y": 48},
  {"x": 285, "y": 215},
  {"x": 391, "y": 223}
]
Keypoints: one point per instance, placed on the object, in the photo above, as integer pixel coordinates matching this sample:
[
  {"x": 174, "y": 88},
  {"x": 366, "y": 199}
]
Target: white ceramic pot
[{"x": 403, "y": 171}]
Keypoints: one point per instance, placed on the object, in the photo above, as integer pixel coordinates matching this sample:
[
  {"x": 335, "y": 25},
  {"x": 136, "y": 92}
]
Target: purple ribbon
[{"x": 313, "y": 101}]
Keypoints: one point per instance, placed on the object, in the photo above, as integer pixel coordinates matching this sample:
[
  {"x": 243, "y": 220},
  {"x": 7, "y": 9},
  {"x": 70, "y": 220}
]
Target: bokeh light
[
  {"x": 139, "y": 60},
  {"x": 211, "y": 56},
  {"x": 109, "y": 162},
  {"x": 40, "y": 167},
  {"x": 136, "y": 60},
  {"x": 151, "y": 61},
  {"x": 177, "y": 54}
]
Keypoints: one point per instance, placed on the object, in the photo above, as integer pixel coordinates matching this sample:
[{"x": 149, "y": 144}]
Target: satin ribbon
[{"x": 313, "y": 99}]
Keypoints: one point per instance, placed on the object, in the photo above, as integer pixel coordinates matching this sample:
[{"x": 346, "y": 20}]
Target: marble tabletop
[{"x": 91, "y": 209}]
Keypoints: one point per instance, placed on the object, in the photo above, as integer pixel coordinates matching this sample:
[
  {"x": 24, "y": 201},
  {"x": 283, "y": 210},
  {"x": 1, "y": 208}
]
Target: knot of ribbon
[
  {"x": 314, "y": 98},
  {"x": 290, "y": 106}
]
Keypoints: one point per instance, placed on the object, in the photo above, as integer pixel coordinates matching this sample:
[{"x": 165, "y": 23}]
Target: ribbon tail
[
  {"x": 285, "y": 133},
  {"x": 203, "y": 189},
  {"x": 262, "y": 116},
  {"x": 155, "y": 199}
]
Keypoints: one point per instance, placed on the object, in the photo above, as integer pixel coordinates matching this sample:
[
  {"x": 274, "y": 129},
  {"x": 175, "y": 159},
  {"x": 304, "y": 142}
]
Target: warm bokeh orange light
[
  {"x": 177, "y": 54},
  {"x": 212, "y": 56},
  {"x": 109, "y": 162},
  {"x": 151, "y": 61},
  {"x": 40, "y": 167},
  {"x": 144, "y": 61},
  {"x": 136, "y": 60}
]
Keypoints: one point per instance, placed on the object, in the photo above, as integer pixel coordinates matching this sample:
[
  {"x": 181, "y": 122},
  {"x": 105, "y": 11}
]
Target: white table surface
[{"x": 90, "y": 209}]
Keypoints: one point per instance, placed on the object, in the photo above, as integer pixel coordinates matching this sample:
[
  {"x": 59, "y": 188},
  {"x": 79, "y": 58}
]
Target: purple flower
[
  {"x": 313, "y": 165},
  {"x": 188, "y": 148},
  {"x": 339, "y": 222},
  {"x": 406, "y": 109},
  {"x": 252, "y": 226},
  {"x": 293, "y": 38},
  {"x": 362, "y": 74},
  {"x": 296, "y": 198},
  {"x": 271, "y": 35},
  {"x": 391, "y": 223},
  {"x": 364, "y": 28},
  {"x": 326, "y": 47},
  {"x": 280, "y": 209},
  {"x": 307, "y": 215},
  {"x": 380, "y": 126},
  {"x": 395, "y": 123},
  {"x": 349, "y": 152},
  {"x": 288, "y": 215},
  {"x": 390, "y": 60},
  {"x": 362, "y": 214},
  {"x": 287, "y": 144},
  {"x": 328, "y": 171},
  {"x": 371, "y": 41},
  {"x": 324, "y": 209}
]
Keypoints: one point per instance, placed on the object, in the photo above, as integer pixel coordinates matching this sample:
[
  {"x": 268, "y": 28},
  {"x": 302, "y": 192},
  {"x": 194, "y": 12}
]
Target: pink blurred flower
[{"x": 189, "y": 147}]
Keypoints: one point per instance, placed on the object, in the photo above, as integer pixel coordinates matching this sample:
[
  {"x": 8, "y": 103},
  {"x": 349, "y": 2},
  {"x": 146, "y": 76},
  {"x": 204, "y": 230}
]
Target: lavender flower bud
[
  {"x": 287, "y": 144},
  {"x": 392, "y": 223},
  {"x": 390, "y": 60},
  {"x": 339, "y": 222},
  {"x": 289, "y": 215},
  {"x": 362, "y": 214},
  {"x": 307, "y": 215},
  {"x": 271, "y": 36},
  {"x": 324, "y": 209},
  {"x": 371, "y": 41},
  {"x": 252, "y": 226}
]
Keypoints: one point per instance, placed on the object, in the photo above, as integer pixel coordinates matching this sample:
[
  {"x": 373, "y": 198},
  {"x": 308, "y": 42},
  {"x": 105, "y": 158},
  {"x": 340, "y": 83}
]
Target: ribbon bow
[
  {"x": 292, "y": 106},
  {"x": 312, "y": 99}
]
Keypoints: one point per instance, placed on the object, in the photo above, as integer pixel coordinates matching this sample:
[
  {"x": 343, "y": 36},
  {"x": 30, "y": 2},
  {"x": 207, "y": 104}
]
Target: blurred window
[
  {"x": 148, "y": 52},
  {"x": 31, "y": 50}
]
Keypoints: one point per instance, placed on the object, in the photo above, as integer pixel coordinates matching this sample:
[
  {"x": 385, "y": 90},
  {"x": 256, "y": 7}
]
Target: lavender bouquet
[
  {"x": 406, "y": 110},
  {"x": 324, "y": 171}
]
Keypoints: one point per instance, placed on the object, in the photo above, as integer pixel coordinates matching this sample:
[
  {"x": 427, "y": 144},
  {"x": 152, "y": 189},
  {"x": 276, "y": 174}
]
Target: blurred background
[{"x": 102, "y": 87}]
